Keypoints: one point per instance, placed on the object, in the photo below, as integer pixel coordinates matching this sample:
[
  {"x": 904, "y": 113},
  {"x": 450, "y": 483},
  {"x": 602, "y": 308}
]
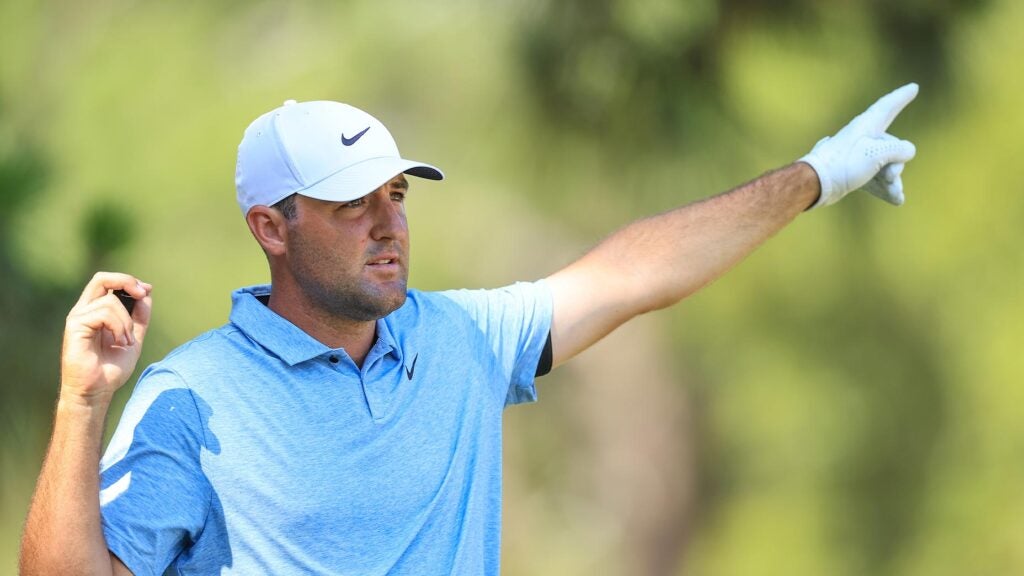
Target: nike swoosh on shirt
[
  {"x": 352, "y": 140},
  {"x": 409, "y": 371}
]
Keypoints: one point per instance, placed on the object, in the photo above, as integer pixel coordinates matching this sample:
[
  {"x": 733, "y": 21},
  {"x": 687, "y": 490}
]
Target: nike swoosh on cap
[{"x": 352, "y": 140}]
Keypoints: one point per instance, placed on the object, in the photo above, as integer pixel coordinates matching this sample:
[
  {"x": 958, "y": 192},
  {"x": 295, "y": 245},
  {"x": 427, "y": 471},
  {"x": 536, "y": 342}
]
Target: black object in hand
[{"x": 126, "y": 299}]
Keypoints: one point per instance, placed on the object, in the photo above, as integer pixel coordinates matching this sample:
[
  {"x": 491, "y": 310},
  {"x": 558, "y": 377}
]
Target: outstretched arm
[
  {"x": 102, "y": 343},
  {"x": 655, "y": 262}
]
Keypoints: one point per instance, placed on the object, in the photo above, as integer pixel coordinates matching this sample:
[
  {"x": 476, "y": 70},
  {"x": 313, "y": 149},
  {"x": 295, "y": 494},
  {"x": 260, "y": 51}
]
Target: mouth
[{"x": 384, "y": 262}]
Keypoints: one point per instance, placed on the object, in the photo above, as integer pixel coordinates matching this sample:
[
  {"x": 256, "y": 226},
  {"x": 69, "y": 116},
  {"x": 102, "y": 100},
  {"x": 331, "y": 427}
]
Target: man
[{"x": 341, "y": 423}]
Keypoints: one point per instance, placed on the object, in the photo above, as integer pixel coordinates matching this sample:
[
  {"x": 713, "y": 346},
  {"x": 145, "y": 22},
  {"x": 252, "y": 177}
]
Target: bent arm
[
  {"x": 102, "y": 343},
  {"x": 656, "y": 262}
]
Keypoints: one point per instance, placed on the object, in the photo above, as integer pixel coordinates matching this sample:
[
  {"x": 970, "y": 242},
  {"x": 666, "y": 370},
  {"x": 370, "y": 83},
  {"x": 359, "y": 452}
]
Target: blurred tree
[
  {"x": 107, "y": 227},
  {"x": 626, "y": 70},
  {"x": 851, "y": 396},
  {"x": 885, "y": 351},
  {"x": 638, "y": 76},
  {"x": 33, "y": 309},
  {"x": 30, "y": 311}
]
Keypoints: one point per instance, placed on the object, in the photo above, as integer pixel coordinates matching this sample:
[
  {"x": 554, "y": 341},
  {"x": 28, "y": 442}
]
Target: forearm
[
  {"x": 657, "y": 261},
  {"x": 63, "y": 534},
  {"x": 670, "y": 256}
]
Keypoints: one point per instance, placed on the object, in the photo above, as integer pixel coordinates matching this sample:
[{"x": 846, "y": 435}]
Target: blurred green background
[{"x": 847, "y": 401}]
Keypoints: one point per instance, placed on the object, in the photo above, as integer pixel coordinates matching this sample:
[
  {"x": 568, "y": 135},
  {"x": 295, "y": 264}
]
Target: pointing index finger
[{"x": 882, "y": 113}]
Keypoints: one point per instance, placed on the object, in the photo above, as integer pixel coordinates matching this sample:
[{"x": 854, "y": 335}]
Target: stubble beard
[
  {"x": 347, "y": 298},
  {"x": 354, "y": 300}
]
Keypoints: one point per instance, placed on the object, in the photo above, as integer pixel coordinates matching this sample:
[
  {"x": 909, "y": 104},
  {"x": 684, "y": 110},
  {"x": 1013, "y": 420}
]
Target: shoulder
[
  {"x": 208, "y": 344},
  {"x": 468, "y": 305},
  {"x": 508, "y": 309},
  {"x": 211, "y": 352},
  {"x": 514, "y": 301},
  {"x": 433, "y": 310},
  {"x": 426, "y": 303},
  {"x": 514, "y": 294}
]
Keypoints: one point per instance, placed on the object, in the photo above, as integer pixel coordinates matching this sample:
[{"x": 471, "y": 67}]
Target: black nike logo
[
  {"x": 409, "y": 371},
  {"x": 352, "y": 140}
]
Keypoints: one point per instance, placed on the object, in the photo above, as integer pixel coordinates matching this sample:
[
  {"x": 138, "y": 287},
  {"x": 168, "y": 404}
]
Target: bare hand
[{"x": 102, "y": 342}]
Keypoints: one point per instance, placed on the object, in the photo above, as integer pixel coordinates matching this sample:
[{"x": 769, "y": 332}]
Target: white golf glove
[{"x": 862, "y": 154}]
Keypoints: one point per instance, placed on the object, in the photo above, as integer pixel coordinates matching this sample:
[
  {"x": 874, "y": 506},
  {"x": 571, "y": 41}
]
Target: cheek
[
  {"x": 339, "y": 253},
  {"x": 333, "y": 245},
  {"x": 324, "y": 248},
  {"x": 349, "y": 244}
]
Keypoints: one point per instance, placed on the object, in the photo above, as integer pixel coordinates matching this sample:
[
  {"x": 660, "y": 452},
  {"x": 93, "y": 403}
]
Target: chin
[
  {"x": 394, "y": 303},
  {"x": 373, "y": 306}
]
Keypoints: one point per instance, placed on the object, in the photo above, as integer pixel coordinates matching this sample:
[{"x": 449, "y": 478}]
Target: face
[{"x": 351, "y": 259}]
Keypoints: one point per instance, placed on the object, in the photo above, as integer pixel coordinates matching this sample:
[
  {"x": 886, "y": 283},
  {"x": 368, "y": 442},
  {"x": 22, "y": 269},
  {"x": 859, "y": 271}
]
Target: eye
[
  {"x": 357, "y": 203},
  {"x": 398, "y": 196}
]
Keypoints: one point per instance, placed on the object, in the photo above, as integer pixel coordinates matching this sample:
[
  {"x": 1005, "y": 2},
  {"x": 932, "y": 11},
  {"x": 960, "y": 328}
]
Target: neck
[{"x": 354, "y": 336}]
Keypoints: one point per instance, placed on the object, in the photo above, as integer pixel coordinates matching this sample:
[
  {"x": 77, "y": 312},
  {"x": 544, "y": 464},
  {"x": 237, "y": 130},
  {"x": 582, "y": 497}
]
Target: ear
[{"x": 270, "y": 228}]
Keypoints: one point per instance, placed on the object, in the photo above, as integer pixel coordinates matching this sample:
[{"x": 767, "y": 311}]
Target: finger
[
  {"x": 140, "y": 317},
  {"x": 882, "y": 113},
  {"x": 891, "y": 172},
  {"x": 103, "y": 282},
  {"x": 124, "y": 333},
  {"x": 102, "y": 315},
  {"x": 895, "y": 189},
  {"x": 888, "y": 149},
  {"x": 126, "y": 336},
  {"x": 898, "y": 169},
  {"x": 130, "y": 299},
  {"x": 891, "y": 192},
  {"x": 876, "y": 187},
  {"x": 139, "y": 290}
]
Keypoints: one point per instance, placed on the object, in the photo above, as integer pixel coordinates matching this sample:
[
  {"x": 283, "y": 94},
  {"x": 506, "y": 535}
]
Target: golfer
[{"x": 340, "y": 422}]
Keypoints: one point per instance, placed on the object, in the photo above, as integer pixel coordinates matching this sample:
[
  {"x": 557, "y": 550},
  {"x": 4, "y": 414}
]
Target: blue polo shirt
[{"x": 255, "y": 449}]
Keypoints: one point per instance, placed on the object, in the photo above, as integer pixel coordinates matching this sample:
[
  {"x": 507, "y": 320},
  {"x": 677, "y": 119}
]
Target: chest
[{"x": 369, "y": 455}]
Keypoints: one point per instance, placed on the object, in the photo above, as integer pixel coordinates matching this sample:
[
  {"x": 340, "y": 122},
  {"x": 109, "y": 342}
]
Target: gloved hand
[{"x": 862, "y": 154}]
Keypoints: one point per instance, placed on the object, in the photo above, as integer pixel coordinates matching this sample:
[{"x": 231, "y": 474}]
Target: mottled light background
[{"x": 848, "y": 401}]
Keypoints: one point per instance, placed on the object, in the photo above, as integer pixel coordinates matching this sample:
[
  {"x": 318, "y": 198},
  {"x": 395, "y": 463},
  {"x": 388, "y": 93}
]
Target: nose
[{"x": 389, "y": 221}]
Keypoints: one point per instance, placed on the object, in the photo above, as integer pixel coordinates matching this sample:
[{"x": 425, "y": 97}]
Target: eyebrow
[{"x": 403, "y": 184}]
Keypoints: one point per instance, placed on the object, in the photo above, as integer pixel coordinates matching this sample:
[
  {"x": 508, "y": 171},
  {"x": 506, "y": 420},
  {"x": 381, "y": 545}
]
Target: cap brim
[{"x": 360, "y": 179}]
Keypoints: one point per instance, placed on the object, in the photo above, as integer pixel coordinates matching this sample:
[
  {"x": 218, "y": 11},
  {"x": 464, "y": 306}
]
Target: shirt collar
[{"x": 284, "y": 339}]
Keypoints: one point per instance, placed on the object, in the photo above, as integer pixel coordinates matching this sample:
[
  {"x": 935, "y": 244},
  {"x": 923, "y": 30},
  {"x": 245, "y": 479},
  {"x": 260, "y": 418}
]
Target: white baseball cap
[{"x": 324, "y": 150}]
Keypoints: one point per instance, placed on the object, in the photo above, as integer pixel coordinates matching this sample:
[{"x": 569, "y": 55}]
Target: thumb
[
  {"x": 889, "y": 190},
  {"x": 143, "y": 311},
  {"x": 891, "y": 172}
]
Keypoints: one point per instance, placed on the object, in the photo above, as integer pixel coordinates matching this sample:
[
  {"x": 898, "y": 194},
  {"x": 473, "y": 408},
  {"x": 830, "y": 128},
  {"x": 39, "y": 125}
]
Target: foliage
[{"x": 844, "y": 402}]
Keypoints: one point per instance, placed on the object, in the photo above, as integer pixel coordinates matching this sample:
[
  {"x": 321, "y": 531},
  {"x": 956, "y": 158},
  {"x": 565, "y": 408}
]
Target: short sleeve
[
  {"x": 154, "y": 498},
  {"x": 516, "y": 320}
]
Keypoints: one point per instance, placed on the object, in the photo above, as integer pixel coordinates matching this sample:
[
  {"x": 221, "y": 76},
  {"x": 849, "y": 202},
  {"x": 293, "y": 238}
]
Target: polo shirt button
[{"x": 333, "y": 359}]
